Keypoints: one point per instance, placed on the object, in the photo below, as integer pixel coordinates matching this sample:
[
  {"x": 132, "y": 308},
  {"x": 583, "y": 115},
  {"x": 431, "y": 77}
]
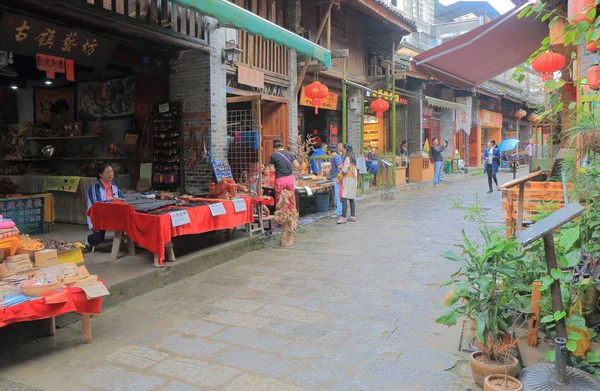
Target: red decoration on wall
[
  {"x": 379, "y": 106},
  {"x": 520, "y": 113},
  {"x": 579, "y": 9},
  {"x": 316, "y": 91},
  {"x": 53, "y": 65},
  {"x": 547, "y": 63},
  {"x": 593, "y": 76}
]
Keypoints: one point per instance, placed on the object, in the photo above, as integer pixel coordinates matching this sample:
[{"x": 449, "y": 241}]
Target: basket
[
  {"x": 591, "y": 140},
  {"x": 38, "y": 291}
]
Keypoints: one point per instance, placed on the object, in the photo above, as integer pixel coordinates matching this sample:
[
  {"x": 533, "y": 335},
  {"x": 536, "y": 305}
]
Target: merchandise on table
[{"x": 61, "y": 245}]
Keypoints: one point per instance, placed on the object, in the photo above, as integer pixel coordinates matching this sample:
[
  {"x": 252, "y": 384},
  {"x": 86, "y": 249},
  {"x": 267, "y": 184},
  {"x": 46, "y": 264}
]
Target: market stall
[{"x": 155, "y": 228}]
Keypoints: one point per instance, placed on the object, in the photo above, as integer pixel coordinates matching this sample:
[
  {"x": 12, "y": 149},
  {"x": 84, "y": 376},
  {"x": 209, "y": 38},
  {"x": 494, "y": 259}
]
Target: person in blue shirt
[
  {"x": 491, "y": 163},
  {"x": 104, "y": 190},
  {"x": 315, "y": 165},
  {"x": 336, "y": 163}
]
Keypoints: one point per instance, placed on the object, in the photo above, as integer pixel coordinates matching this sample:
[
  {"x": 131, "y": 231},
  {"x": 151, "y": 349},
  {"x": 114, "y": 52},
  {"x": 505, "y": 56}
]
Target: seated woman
[{"x": 102, "y": 191}]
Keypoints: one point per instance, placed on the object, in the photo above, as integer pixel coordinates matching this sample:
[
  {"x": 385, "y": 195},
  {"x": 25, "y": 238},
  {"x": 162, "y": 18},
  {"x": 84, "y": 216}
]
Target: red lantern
[
  {"x": 316, "y": 91},
  {"x": 579, "y": 9},
  {"x": 592, "y": 46},
  {"x": 520, "y": 113},
  {"x": 593, "y": 76},
  {"x": 379, "y": 106},
  {"x": 532, "y": 117},
  {"x": 547, "y": 63}
]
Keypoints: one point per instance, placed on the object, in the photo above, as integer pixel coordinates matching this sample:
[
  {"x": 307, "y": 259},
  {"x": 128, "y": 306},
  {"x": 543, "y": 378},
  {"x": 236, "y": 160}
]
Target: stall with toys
[{"x": 40, "y": 279}]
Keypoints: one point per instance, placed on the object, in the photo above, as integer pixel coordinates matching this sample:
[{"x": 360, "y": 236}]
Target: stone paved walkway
[{"x": 350, "y": 307}]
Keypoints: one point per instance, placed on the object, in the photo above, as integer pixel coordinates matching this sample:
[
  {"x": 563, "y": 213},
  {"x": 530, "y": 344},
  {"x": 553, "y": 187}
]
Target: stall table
[
  {"x": 66, "y": 300},
  {"x": 301, "y": 189},
  {"x": 155, "y": 232}
]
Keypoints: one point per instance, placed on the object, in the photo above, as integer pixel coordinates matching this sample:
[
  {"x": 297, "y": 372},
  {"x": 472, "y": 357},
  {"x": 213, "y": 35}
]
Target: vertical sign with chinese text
[
  {"x": 27, "y": 213},
  {"x": 463, "y": 117}
]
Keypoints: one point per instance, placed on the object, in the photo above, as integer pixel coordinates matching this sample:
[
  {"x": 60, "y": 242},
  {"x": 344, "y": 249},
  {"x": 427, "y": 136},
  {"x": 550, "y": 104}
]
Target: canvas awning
[
  {"x": 230, "y": 15},
  {"x": 485, "y": 52}
]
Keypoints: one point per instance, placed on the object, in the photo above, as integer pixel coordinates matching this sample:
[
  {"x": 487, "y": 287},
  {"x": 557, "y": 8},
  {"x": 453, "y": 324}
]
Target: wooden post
[
  {"x": 555, "y": 294},
  {"x": 170, "y": 252},
  {"x": 50, "y": 327},
  {"x": 86, "y": 327},
  {"x": 520, "y": 208},
  {"x": 307, "y": 62},
  {"x": 130, "y": 246},
  {"x": 534, "y": 321}
]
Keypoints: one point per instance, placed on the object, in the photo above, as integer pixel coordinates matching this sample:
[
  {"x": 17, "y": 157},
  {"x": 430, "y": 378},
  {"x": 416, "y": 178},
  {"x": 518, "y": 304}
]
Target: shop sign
[
  {"x": 251, "y": 77},
  {"x": 179, "y": 218},
  {"x": 25, "y": 35},
  {"x": 239, "y": 204},
  {"x": 217, "y": 209},
  {"x": 27, "y": 213},
  {"x": 397, "y": 98},
  {"x": 463, "y": 117},
  {"x": 53, "y": 65},
  {"x": 329, "y": 103},
  {"x": 428, "y": 110},
  {"x": 490, "y": 118},
  {"x": 68, "y": 184}
]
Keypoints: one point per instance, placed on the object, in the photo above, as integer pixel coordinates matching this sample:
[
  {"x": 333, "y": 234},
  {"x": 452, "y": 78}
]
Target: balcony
[{"x": 161, "y": 14}]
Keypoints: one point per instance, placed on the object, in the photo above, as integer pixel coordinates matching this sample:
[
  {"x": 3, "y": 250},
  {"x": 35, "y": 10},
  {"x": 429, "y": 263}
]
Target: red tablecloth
[
  {"x": 152, "y": 232},
  {"x": 66, "y": 300}
]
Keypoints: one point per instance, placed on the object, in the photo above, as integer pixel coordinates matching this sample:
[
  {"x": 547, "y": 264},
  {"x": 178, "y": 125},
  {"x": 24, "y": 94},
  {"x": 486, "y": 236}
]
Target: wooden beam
[{"x": 307, "y": 63}]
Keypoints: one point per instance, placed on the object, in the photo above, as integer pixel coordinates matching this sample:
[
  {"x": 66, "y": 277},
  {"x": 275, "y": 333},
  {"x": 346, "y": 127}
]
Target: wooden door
[
  {"x": 474, "y": 147},
  {"x": 274, "y": 125},
  {"x": 461, "y": 144}
]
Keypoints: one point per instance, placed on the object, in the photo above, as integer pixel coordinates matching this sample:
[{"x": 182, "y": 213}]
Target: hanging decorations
[
  {"x": 532, "y": 117},
  {"x": 520, "y": 113},
  {"x": 547, "y": 63},
  {"x": 316, "y": 91},
  {"x": 579, "y": 10},
  {"x": 379, "y": 106},
  {"x": 593, "y": 76},
  {"x": 592, "y": 46}
]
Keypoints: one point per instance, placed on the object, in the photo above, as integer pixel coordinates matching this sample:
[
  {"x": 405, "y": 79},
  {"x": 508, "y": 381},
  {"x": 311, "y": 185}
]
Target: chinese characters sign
[
  {"x": 251, "y": 77},
  {"x": 27, "y": 213},
  {"x": 329, "y": 103},
  {"x": 463, "y": 117},
  {"x": 53, "y": 65},
  {"x": 490, "y": 118},
  {"x": 29, "y": 36}
]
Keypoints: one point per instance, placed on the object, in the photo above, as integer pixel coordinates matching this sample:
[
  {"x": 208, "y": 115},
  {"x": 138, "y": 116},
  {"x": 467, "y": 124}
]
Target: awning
[
  {"x": 444, "y": 104},
  {"x": 230, "y": 15},
  {"x": 485, "y": 52}
]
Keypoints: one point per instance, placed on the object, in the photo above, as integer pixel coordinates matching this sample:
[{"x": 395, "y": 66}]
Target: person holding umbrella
[
  {"x": 512, "y": 158},
  {"x": 491, "y": 158}
]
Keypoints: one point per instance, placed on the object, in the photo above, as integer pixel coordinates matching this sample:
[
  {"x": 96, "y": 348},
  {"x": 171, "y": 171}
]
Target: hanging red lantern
[
  {"x": 379, "y": 106},
  {"x": 579, "y": 9},
  {"x": 316, "y": 91},
  {"x": 532, "y": 117},
  {"x": 547, "y": 63},
  {"x": 593, "y": 76},
  {"x": 520, "y": 113},
  {"x": 592, "y": 46}
]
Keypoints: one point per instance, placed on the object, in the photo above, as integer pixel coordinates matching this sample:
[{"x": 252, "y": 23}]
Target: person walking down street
[
  {"x": 529, "y": 149},
  {"x": 438, "y": 160},
  {"x": 491, "y": 157},
  {"x": 349, "y": 184},
  {"x": 104, "y": 190},
  {"x": 283, "y": 163},
  {"x": 336, "y": 163}
]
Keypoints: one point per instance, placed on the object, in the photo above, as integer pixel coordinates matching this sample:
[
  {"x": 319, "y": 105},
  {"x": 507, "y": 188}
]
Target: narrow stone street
[{"x": 350, "y": 307}]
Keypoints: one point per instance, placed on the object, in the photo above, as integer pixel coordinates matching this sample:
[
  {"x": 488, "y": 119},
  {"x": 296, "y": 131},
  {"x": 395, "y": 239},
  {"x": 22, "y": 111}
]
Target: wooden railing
[
  {"x": 162, "y": 13},
  {"x": 264, "y": 55}
]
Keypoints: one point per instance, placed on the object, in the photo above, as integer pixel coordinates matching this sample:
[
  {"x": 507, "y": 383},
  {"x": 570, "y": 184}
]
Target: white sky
[{"x": 501, "y": 6}]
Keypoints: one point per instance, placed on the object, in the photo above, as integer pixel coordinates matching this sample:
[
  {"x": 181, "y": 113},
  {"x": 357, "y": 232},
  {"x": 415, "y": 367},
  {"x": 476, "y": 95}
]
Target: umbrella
[{"x": 508, "y": 144}]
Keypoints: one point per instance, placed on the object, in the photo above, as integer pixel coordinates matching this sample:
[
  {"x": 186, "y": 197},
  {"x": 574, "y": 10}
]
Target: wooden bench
[{"x": 538, "y": 197}]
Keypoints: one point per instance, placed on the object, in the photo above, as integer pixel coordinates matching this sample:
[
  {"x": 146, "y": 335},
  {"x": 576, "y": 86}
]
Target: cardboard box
[
  {"x": 17, "y": 258},
  {"x": 46, "y": 258},
  {"x": 3, "y": 269},
  {"x": 19, "y": 266}
]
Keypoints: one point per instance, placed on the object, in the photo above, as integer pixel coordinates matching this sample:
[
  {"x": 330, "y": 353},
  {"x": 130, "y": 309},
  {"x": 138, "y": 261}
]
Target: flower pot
[
  {"x": 496, "y": 383},
  {"x": 481, "y": 367},
  {"x": 591, "y": 140}
]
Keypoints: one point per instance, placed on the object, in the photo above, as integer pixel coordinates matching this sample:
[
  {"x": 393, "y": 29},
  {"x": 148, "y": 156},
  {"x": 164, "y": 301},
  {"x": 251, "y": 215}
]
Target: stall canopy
[
  {"x": 230, "y": 15},
  {"x": 485, "y": 52}
]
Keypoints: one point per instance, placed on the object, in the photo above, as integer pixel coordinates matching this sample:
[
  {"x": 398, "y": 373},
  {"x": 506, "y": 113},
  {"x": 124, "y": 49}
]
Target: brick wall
[{"x": 198, "y": 80}]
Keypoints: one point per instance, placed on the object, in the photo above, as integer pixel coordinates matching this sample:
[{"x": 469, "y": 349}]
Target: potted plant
[
  {"x": 501, "y": 383},
  {"x": 586, "y": 125},
  {"x": 367, "y": 179},
  {"x": 479, "y": 293}
]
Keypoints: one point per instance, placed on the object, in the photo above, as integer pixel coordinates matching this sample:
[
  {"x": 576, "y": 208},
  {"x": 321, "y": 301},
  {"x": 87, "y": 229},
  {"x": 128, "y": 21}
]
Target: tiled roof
[
  {"x": 396, "y": 12},
  {"x": 498, "y": 88}
]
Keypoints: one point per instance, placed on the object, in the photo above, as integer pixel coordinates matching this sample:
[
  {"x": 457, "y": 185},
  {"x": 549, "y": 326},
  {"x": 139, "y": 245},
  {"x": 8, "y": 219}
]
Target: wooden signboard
[
  {"x": 250, "y": 77},
  {"x": 329, "y": 103}
]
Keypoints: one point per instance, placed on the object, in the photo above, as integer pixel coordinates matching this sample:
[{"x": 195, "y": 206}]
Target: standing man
[
  {"x": 438, "y": 160},
  {"x": 315, "y": 165},
  {"x": 336, "y": 163},
  {"x": 283, "y": 163},
  {"x": 529, "y": 149}
]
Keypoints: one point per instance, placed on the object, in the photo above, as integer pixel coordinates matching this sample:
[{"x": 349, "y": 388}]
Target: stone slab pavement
[{"x": 350, "y": 307}]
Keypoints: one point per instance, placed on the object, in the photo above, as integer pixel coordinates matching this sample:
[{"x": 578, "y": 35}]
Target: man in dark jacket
[{"x": 435, "y": 153}]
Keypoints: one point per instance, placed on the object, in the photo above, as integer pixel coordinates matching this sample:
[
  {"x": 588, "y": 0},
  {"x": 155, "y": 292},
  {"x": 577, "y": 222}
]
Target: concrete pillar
[
  {"x": 293, "y": 99},
  {"x": 292, "y": 15},
  {"x": 198, "y": 80},
  {"x": 354, "y": 115},
  {"x": 415, "y": 122},
  {"x": 447, "y": 122}
]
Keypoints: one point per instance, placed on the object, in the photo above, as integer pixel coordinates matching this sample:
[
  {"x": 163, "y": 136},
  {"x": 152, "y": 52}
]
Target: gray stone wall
[
  {"x": 198, "y": 80},
  {"x": 354, "y": 125},
  {"x": 447, "y": 121},
  {"x": 293, "y": 99},
  {"x": 415, "y": 122}
]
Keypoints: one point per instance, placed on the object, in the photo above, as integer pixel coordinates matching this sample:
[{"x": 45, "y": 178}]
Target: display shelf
[
  {"x": 63, "y": 138},
  {"x": 64, "y": 158}
]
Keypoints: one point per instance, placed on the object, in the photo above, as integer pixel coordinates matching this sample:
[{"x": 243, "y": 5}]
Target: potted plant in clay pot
[
  {"x": 501, "y": 383},
  {"x": 479, "y": 293}
]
